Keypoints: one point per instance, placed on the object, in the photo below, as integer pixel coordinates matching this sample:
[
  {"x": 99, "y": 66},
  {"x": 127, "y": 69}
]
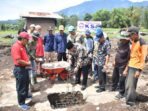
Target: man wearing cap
[
  {"x": 89, "y": 44},
  {"x": 73, "y": 36},
  {"x": 103, "y": 54},
  {"x": 79, "y": 62},
  {"x": 49, "y": 45},
  {"x": 31, "y": 49},
  {"x": 60, "y": 43},
  {"x": 21, "y": 62},
  {"x": 31, "y": 29},
  {"x": 121, "y": 63},
  {"x": 136, "y": 64}
]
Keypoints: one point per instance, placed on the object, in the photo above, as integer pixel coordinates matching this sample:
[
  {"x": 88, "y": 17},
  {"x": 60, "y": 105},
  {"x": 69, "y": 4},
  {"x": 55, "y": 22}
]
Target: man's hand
[
  {"x": 75, "y": 70},
  {"x": 125, "y": 72},
  {"x": 137, "y": 74}
]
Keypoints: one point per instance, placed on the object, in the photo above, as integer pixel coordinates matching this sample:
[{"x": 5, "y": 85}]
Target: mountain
[
  {"x": 94, "y": 5},
  {"x": 8, "y": 21}
]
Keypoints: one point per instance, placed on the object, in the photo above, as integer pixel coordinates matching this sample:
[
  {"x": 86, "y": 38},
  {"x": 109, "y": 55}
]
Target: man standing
[
  {"x": 73, "y": 36},
  {"x": 21, "y": 61},
  {"x": 49, "y": 45},
  {"x": 121, "y": 63},
  {"x": 79, "y": 62},
  {"x": 103, "y": 55},
  {"x": 136, "y": 64},
  {"x": 31, "y": 49},
  {"x": 60, "y": 43}
]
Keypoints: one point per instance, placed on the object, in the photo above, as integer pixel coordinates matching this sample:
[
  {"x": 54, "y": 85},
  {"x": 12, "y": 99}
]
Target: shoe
[
  {"x": 29, "y": 96},
  {"x": 83, "y": 88},
  {"x": 77, "y": 82},
  {"x": 97, "y": 86},
  {"x": 119, "y": 96},
  {"x": 131, "y": 103},
  {"x": 100, "y": 90},
  {"x": 24, "y": 107},
  {"x": 113, "y": 89}
]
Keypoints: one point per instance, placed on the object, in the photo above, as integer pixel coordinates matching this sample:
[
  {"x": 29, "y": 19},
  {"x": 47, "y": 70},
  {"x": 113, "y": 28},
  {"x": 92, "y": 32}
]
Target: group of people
[{"x": 86, "y": 55}]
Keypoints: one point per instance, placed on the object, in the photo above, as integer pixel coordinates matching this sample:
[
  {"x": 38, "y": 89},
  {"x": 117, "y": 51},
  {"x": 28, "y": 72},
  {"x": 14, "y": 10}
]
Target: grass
[{"x": 8, "y": 32}]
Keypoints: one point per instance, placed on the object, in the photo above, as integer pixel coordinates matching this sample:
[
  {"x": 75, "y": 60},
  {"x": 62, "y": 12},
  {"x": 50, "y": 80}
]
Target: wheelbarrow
[{"x": 54, "y": 69}]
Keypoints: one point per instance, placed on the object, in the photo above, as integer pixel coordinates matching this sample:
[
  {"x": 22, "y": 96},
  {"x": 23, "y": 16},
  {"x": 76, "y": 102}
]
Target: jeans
[
  {"x": 32, "y": 73},
  {"x": 96, "y": 74},
  {"x": 102, "y": 77},
  {"x": 131, "y": 84},
  {"x": 118, "y": 77},
  {"x": 22, "y": 83}
]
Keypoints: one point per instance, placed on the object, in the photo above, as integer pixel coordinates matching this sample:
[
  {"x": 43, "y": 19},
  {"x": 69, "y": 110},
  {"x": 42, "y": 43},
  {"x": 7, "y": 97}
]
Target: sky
[{"x": 11, "y": 9}]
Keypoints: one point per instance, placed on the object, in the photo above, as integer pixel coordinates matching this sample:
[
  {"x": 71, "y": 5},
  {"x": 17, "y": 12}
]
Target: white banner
[{"x": 91, "y": 25}]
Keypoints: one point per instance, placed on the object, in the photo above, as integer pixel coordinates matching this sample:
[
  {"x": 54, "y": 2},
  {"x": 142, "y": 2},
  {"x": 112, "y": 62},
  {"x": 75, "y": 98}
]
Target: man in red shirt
[{"x": 21, "y": 62}]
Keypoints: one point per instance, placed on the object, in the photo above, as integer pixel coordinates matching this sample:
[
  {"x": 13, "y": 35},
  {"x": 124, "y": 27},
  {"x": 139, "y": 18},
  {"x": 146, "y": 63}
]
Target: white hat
[{"x": 32, "y": 25}]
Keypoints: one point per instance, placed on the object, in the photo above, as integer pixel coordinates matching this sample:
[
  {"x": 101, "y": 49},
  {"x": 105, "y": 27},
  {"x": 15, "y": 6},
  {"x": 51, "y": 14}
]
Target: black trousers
[
  {"x": 22, "y": 83},
  {"x": 84, "y": 72},
  {"x": 62, "y": 56},
  {"x": 102, "y": 77},
  {"x": 118, "y": 79}
]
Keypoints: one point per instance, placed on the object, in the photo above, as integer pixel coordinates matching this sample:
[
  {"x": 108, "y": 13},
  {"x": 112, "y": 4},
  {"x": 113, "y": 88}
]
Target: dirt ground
[{"x": 104, "y": 101}]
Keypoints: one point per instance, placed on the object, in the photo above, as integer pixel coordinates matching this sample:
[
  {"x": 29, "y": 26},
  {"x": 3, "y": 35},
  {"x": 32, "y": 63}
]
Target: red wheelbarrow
[{"x": 53, "y": 69}]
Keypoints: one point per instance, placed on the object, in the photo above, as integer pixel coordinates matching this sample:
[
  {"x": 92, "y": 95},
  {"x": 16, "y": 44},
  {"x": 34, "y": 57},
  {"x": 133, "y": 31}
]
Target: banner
[{"x": 91, "y": 25}]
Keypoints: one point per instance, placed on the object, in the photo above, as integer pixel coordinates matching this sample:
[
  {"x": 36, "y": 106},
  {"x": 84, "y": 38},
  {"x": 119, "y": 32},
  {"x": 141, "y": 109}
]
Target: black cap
[
  {"x": 69, "y": 45},
  {"x": 133, "y": 29}
]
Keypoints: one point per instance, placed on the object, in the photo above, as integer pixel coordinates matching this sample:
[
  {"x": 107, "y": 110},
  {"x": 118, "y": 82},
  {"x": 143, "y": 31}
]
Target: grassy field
[{"x": 8, "y": 32}]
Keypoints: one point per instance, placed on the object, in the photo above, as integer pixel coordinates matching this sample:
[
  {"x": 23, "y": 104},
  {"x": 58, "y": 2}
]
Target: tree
[
  {"x": 87, "y": 17},
  {"x": 73, "y": 20},
  {"x": 20, "y": 24},
  {"x": 119, "y": 19},
  {"x": 63, "y": 21},
  {"x": 145, "y": 18},
  {"x": 102, "y": 15}
]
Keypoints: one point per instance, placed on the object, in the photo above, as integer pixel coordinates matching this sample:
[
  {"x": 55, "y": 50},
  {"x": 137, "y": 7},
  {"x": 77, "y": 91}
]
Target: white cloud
[{"x": 10, "y": 9}]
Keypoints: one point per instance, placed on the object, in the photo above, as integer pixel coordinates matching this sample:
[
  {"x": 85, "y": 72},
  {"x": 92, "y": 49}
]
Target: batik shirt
[
  {"x": 102, "y": 51},
  {"x": 79, "y": 58}
]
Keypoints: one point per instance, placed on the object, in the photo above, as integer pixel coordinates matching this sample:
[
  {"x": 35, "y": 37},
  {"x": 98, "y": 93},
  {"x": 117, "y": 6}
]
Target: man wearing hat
[
  {"x": 121, "y": 63},
  {"x": 136, "y": 64},
  {"x": 21, "y": 62},
  {"x": 49, "y": 45},
  {"x": 60, "y": 43},
  {"x": 103, "y": 54},
  {"x": 74, "y": 36},
  {"x": 31, "y": 29},
  {"x": 31, "y": 49}
]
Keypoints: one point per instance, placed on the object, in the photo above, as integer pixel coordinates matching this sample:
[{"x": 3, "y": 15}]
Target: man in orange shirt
[
  {"x": 136, "y": 64},
  {"x": 21, "y": 61}
]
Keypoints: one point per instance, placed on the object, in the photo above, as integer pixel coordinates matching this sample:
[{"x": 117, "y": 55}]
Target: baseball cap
[
  {"x": 71, "y": 28},
  {"x": 32, "y": 25},
  {"x": 36, "y": 34},
  {"x": 87, "y": 32},
  {"x": 61, "y": 27},
  {"x": 50, "y": 28},
  {"x": 124, "y": 35},
  {"x": 24, "y": 35},
  {"x": 133, "y": 29},
  {"x": 99, "y": 34}
]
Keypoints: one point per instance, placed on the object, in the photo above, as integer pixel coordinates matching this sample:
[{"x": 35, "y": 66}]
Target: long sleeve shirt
[
  {"x": 49, "y": 43},
  {"x": 60, "y": 43},
  {"x": 79, "y": 58},
  {"x": 138, "y": 54},
  {"x": 89, "y": 43}
]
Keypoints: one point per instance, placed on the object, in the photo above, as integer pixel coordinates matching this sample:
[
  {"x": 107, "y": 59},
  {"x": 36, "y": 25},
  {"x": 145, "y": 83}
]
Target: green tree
[
  {"x": 87, "y": 17},
  {"x": 73, "y": 20},
  {"x": 145, "y": 18},
  {"x": 63, "y": 21},
  {"x": 102, "y": 15},
  {"x": 119, "y": 19},
  {"x": 20, "y": 24}
]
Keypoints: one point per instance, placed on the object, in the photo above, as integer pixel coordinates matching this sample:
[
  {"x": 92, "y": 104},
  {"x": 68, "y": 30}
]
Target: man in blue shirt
[
  {"x": 49, "y": 45},
  {"x": 103, "y": 54},
  {"x": 60, "y": 43}
]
